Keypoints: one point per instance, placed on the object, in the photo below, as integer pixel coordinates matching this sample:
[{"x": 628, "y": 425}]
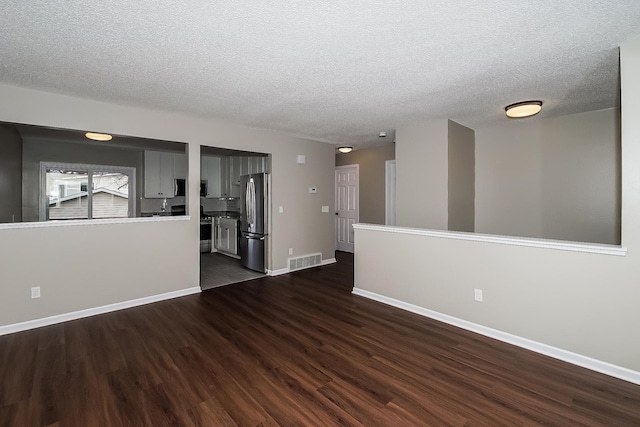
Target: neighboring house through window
[{"x": 64, "y": 191}]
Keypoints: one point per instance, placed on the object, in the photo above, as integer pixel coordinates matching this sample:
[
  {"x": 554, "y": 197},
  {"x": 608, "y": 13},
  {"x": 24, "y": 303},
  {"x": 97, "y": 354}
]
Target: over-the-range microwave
[{"x": 180, "y": 187}]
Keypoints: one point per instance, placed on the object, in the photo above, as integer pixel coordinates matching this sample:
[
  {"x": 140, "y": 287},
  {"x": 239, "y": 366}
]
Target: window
[{"x": 64, "y": 191}]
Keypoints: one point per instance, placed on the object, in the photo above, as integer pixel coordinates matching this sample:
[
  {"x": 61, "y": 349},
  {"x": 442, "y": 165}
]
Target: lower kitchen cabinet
[{"x": 227, "y": 236}]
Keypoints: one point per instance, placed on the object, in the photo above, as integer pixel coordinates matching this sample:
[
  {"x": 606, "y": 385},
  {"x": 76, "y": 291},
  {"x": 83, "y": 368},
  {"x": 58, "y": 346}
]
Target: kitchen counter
[
  {"x": 222, "y": 214},
  {"x": 150, "y": 214}
]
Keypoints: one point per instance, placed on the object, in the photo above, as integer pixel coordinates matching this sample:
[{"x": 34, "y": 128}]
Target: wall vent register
[{"x": 305, "y": 261}]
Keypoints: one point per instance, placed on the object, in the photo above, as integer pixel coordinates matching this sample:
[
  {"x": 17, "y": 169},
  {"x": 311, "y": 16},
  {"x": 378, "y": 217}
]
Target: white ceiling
[{"x": 335, "y": 71}]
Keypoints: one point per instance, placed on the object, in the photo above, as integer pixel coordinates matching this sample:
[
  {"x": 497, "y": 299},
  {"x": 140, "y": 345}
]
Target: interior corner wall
[
  {"x": 10, "y": 174},
  {"x": 461, "y": 185},
  {"x": 422, "y": 175},
  {"x": 555, "y": 178},
  {"x": 372, "y": 179},
  {"x": 584, "y": 303}
]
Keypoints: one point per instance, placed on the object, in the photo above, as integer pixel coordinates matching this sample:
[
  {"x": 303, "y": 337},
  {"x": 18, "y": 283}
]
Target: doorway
[
  {"x": 347, "y": 205},
  {"x": 220, "y": 205}
]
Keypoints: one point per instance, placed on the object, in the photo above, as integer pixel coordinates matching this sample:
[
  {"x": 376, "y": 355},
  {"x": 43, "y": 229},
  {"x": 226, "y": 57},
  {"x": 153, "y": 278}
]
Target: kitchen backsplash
[
  {"x": 155, "y": 205},
  {"x": 219, "y": 205}
]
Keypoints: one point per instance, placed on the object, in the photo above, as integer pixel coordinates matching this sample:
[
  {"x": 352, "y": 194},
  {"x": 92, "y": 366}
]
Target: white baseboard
[
  {"x": 557, "y": 353},
  {"x": 277, "y": 272},
  {"x": 59, "y": 318},
  {"x": 286, "y": 270}
]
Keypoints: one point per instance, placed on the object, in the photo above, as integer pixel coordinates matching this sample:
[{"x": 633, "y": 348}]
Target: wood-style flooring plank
[{"x": 297, "y": 349}]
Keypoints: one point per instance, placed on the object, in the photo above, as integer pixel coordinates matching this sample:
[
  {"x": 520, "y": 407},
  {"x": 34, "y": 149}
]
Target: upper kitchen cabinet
[
  {"x": 158, "y": 174},
  {"x": 234, "y": 176},
  {"x": 226, "y": 182},
  {"x": 256, "y": 164},
  {"x": 210, "y": 171},
  {"x": 253, "y": 164},
  {"x": 225, "y": 176},
  {"x": 244, "y": 165},
  {"x": 180, "y": 170}
]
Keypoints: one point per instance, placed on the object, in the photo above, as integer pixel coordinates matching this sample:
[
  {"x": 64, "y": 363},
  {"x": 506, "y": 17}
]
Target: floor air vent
[{"x": 305, "y": 261}]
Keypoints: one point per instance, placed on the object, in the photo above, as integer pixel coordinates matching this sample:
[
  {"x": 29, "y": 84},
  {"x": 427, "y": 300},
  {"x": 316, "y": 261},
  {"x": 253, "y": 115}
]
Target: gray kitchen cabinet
[
  {"x": 227, "y": 236},
  {"x": 244, "y": 165},
  {"x": 234, "y": 176},
  {"x": 255, "y": 165},
  {"x": 210, "y": 171},
  {"x": 158, "y": 174},
  {"x": 180, "y": 170},
  {"x": 225, "y": 184},
  {"x": 235, "y": 170},
  {"x": 233, "y": 167}
]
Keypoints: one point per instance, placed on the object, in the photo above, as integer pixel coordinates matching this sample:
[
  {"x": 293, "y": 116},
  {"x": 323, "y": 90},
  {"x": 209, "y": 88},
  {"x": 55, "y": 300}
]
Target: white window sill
[{"x": 77, "y": 222}]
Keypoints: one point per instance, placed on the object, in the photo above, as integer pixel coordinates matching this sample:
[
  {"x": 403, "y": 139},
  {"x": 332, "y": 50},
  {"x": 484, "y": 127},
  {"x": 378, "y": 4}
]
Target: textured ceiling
[{"x": 333, "y": 71}]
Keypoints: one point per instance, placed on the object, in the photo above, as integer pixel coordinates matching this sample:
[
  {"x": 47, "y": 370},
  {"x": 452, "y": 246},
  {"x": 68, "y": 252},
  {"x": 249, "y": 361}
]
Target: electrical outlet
[
  {"x": 477, "y": 295},
  {"x": 35, "y": 292},
  {"x": 325, "y": 209},
  {"x": 290, "y": 251},
  {"x": 313, "y": 190},
  {"x": 280, "y": 209}
]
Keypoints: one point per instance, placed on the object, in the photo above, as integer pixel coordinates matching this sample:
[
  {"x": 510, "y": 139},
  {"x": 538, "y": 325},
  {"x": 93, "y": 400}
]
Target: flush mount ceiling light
[
  {"x": 345, "y": 149},
  {"x": 382, "y": 135},
  {"x": 521, "y": 110},
  {"x": 98, "y": 136}
]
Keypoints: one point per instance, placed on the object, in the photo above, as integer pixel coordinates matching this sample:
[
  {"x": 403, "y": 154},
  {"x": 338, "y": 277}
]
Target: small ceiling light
[
  {"x": 98, "y": 136},
  {"x": 382, "y": 135},
  {"x": 521, "y": 110},
  {"x": 345, "y": 149}
]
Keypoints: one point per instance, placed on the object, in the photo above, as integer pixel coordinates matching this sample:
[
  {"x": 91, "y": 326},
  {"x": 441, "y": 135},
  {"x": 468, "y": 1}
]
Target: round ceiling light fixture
[
  {"x": 520, "y": 110},
  {"x": 98, "y": 136},
  {"x": 382, "y": 135},
  {"x": 345, "y": 149}
]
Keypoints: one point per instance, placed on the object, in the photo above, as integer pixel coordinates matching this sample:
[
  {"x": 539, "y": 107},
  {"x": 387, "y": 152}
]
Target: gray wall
[
  {"x": 422, "y": 175},
  {"x": 153, "y": 257},
  {"x": 461, "y": 178},
  {"x": 555, "y": 178},
  {"x": 35, "y": 151},
  {"x": 372, "y": 179},
  {"x": 10, "y": 174},
  {"x": 435, "y": 180}
]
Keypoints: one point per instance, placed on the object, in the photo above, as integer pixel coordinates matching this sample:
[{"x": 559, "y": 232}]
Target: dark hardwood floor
[{"x": 296, "y": 349}]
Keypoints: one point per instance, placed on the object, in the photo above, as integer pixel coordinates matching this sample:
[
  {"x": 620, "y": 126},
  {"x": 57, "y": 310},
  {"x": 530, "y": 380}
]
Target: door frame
[
  {"x": 389, "y": 191},
  {"x": 335, "y": 191}
]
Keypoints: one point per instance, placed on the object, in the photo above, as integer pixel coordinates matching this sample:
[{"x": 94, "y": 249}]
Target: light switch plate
[
  {"x": 325, "y": 209},
  {"x": 280, "y": 209}
]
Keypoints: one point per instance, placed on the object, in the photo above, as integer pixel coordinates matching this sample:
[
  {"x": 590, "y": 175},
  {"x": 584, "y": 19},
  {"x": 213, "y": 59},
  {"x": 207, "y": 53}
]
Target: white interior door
[
  {"x": 346, "y": 205},
  {"x": 390, "y": 193}
]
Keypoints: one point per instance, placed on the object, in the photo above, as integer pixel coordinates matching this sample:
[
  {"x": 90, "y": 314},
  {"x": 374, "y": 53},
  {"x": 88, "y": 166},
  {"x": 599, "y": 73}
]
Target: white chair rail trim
[{"x": 561, "y": 245}]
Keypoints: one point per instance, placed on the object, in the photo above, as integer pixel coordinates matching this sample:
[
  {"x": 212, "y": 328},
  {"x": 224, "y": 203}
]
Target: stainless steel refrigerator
[{"x": 253, "y": 220}]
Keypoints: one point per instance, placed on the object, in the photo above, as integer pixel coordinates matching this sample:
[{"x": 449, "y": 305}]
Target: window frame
[{"x": 90, "y": 169}]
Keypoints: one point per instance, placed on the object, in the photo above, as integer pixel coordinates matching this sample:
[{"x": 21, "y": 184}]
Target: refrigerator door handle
[{"x": 254, "y": 238}]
